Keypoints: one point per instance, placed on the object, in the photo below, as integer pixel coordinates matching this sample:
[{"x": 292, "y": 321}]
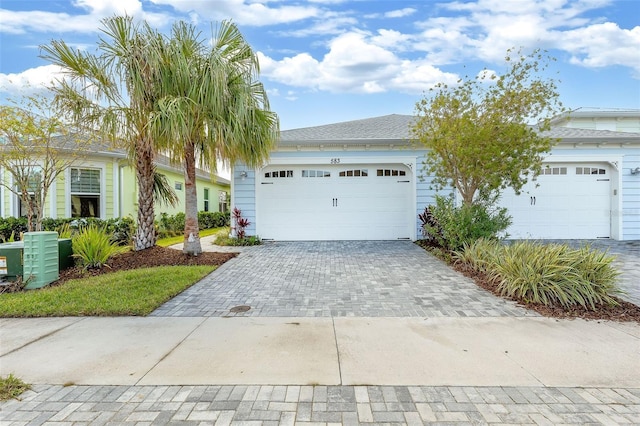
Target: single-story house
[
  {"x": 102, "y": 184},
  {"x": 364, "y": 180}
]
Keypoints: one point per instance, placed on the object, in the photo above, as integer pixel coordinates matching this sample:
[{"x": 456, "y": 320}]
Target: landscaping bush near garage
[
  {"x": 451, "y": 227},
  {"x": 549, "y": 275}
]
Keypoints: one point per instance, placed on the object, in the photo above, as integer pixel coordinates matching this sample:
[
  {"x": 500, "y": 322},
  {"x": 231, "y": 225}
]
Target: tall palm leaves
[
  {"x": 210, "y": 108},
  {"x": 181, "y": 95},
  {"x": 115, "y": 92}
]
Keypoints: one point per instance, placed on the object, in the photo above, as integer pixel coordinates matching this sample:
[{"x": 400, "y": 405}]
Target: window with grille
[
  {"x": 354, "y": 173},
  {"x": 279, "y": 174},
  {"x": 206, "y": 199},
  {"x": 390, "y": 172},
  {"x": 554, "y": 171},
  {"x": 315, "y": 173},
  {"x": 223, "y": 201},
  {"x": 590, "y": 171},
  {"x": 85, "y": 192}
]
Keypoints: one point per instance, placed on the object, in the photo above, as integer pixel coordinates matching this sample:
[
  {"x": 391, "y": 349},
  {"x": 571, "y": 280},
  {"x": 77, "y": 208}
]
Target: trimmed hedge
[{"x": 122, "y": 229}]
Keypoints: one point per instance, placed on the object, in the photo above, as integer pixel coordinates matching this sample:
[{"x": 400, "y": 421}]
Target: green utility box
[
  {"x": 40, "y": 259},
  {"x": 12, "y": 252},
  {"x": 65, "y": 254}
]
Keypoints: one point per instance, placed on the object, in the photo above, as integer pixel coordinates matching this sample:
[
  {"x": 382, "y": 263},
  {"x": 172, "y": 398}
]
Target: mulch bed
[
  {"x": 624, "y": 312},
  {"x": 148, "y": 258}
]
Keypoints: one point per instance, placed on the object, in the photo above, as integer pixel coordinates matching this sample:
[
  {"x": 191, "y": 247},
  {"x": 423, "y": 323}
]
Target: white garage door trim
[{"x": 308, "y": 212}]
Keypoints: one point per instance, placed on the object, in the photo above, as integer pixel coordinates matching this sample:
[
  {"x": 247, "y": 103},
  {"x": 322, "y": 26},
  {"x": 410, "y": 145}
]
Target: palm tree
[
  {"x": 211, "y": 108},
  {"x": 115, "y": 92}
]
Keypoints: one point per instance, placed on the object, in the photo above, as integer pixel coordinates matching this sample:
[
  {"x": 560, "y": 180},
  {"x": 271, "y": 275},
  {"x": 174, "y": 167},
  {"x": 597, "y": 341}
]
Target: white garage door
[
  {"x": 330, "y": 202},
  {"x": 572, "y": 201}
]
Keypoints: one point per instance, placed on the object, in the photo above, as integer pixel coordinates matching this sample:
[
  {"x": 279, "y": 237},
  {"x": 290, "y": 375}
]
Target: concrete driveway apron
[
  {"x": 459, "y": 355},
  {"x": 338, "y": 279}
]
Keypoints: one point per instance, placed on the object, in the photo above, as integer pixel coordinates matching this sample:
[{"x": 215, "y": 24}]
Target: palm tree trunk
[
  {"x": 191, "y": 244},
  {"x": 146, "y": 232}
]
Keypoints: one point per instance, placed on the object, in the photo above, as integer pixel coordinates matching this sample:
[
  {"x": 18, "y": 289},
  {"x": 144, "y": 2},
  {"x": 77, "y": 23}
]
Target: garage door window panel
[
  {"x": 316, "y": 173},
  {"x": 354, "y": 173},
  {"x": 554, "y": 171},
  {"x": 279, "y": 174},
  {"x": 590, "y": 171},
  {"x": 390, "y": 172}
]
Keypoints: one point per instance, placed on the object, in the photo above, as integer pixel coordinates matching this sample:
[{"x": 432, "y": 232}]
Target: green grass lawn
[
  {"x": 133, "y": 292},
  {"x": 166, "y": 242}
]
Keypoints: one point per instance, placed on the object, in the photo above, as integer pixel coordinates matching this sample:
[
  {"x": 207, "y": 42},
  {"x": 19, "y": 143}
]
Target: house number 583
[{"x": 335, "y": 161}]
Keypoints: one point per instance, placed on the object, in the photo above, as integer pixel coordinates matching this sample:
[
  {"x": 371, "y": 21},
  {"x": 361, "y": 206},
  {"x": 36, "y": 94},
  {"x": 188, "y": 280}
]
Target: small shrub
[
  {"x": 11, "y": 228},
  {"x": 240, "y": 223},
  {"x": 225, "y": 240},
  {"x": 121, "y": 229},
  {"x": 93, "y": 247},
  {"x": 453, "y": 226},
  {"x": 11, "y": 387},
  {"x": 208, "y": 220},
  {"x": 170, "y": 226},
  {"x": 549, "y": 274},
  {"x": 64, "y": 231}
]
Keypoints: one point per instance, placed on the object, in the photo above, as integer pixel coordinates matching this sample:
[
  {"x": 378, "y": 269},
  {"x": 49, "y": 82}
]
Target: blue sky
[{"x": 325, "y": 61}]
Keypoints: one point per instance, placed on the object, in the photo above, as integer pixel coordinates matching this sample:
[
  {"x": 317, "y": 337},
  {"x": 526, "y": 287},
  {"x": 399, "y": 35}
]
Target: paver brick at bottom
[{"x": 404, "y": 404}]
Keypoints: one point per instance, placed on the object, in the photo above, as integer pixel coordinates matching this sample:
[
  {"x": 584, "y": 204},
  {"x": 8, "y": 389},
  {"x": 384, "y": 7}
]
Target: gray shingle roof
[
  {"x": 103, "y": 148},
  {"x": 589, "y": 134},
  {"x": 396, "y": 127}
]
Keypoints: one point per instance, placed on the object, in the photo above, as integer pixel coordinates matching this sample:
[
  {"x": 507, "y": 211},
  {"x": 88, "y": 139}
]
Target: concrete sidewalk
[{"x": 322, "y": 351}]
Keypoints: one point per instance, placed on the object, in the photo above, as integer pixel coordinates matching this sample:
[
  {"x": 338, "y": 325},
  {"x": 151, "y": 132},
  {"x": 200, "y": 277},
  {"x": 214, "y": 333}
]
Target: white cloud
[
  {"x": 393, "y": 39},
  {"x": 485, "y": 29},
  {"x": 31, "y": 80},
  {"x": 603, "y": 45},
  {"x": 355, "y": 64},
  {"x": 328, "y": 25},
  {"x": 291, "y": 95},
  {"x": 19, "y": 22},
  {"x": 243, "y": 12},
  {"x": 400, "y": 13},
  {"x": 487, "y": 75}
]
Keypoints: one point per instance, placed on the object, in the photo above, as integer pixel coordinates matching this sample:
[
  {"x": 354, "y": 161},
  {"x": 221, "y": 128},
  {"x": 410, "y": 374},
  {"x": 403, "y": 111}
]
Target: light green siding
[{"x": 60, "y": 195}]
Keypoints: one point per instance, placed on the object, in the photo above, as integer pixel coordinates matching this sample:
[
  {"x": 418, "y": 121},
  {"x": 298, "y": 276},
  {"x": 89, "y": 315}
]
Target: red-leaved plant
[{"x": 241, "y": 223}]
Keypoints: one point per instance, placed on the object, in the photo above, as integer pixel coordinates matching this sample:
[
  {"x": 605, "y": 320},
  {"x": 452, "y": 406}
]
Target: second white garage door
[
  {"x": 571, "y": 201},
  {"x": 336, "y": 202}
]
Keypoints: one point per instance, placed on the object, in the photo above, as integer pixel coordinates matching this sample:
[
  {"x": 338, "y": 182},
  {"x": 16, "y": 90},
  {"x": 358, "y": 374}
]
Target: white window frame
[
  {"x": 206, "y": 204},
  {"x": 15, "y": 199},
  {"x": 103, "y": 184}
]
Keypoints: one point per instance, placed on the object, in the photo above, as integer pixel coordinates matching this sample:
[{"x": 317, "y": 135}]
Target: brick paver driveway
[{"x": 338, "y": 278}]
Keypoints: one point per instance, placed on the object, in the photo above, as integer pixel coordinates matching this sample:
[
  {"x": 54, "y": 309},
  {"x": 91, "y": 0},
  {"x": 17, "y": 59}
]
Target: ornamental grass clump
[
  {"x": 547, "y": 274},
  {"x": 93, "y": 247}
]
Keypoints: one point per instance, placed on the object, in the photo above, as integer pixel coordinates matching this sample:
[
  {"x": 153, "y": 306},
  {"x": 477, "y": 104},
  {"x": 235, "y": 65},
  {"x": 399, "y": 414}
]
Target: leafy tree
[
  {"x": 113, "y": 92},
  {"x": 210, "y": 108},
  {"x": 477, "y": 132},
  {"x": 36, "y": 146}
]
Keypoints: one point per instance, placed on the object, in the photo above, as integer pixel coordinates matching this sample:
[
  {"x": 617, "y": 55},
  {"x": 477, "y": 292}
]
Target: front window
[
  {"x": 223, "y": 202},
  {"x": 206, "y": 199},
  {"x": 32, "y": 177},
  {"x": 85, "y": 193}
]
